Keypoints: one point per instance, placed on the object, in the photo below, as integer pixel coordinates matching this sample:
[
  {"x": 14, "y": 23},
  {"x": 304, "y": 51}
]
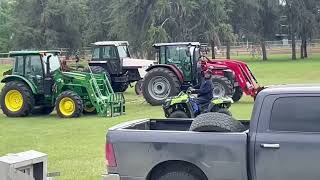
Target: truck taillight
[{"x": 111, "y": 160}]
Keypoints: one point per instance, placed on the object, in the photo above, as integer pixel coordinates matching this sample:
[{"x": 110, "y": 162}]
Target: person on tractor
[{"x": 204, "y": 90}]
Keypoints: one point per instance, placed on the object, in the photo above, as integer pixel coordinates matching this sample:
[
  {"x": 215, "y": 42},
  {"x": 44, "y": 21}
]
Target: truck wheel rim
[
  {"x": 14, "y": 100},
  {"x": 67, "y": 106},
  {"x": 218, "y": 90},
  {"x": 159, "y": 88}
]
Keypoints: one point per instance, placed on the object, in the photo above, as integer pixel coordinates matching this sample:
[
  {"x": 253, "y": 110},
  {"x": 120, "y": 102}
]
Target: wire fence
[{"x": 239, "y": 49}]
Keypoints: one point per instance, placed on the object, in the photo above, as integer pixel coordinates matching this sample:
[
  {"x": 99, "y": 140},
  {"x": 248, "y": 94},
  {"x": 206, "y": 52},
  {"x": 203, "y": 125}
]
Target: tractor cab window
[
  {"x": 177, "y": 55},
  {"x": 96, "y": 53},
  {"x": 123, "y": 51},
  {"x": 109, "y": 52},
  {"x": 18, "y": 69},
  {"x": 54, "y": 62},
  {"x": 34, "y": 66}
]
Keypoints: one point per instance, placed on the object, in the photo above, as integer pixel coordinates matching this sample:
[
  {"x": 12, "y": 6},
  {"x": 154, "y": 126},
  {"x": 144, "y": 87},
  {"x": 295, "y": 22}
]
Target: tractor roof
[
  {"x": 111, "y": 43},
  {"x": 26, "y": 53},
  {"x": 177, "y": 44}
]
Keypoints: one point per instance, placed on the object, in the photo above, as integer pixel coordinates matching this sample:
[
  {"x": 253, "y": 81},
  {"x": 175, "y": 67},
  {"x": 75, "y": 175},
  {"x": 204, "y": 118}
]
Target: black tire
[
  {"x": 89, "y": 109},
  {"x": 164, "y": 77},
  {"x": 224, "y": 111},
  {"x": 138, "y": 88},
  {"x": 178, "y": 172},
  {"x": 237, "y": 95},
  {"x": 120, "y": 87},
  {"x": 179, "y": 114},
  {"x": 76, "y": 99},
  {"x": 216, "y": 122},
  {"x": 222, "y": 87},
  {"x": 27, "y": 99}
]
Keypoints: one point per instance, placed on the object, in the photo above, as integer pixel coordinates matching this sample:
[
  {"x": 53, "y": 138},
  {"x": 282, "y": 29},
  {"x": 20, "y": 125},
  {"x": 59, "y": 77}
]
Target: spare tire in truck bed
[{"x": 216, "y": 122}]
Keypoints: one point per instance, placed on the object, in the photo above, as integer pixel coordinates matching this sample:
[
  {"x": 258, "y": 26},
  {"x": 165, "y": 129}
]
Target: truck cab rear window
[{"x": 300, "y": 114}]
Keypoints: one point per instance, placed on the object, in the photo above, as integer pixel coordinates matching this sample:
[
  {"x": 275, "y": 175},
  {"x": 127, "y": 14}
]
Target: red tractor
[{"x": 180, "y": 65}]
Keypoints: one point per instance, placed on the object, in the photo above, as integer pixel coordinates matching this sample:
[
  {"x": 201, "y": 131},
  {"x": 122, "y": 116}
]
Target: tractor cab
[
  {"x": 36, "y": 67},
  {"x": 184, "y": 55},
  {"x": 111, "y": 54}
]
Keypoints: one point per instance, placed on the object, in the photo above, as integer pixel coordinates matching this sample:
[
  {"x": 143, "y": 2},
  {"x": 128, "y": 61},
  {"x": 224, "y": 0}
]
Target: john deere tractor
[{"x": 36, "y": 84}]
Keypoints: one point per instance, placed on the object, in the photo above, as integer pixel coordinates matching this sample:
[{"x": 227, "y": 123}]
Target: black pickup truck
[{"x": 282, "y": 142}]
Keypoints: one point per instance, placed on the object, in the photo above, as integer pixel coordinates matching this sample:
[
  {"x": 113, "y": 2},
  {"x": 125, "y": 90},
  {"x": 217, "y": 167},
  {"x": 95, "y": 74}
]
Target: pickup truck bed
[
  {"x": 283, "y": 143},
  {"x": 168, "y": 140}
]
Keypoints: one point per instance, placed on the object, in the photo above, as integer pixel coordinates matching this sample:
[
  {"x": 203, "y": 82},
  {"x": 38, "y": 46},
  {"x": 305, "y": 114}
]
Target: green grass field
[{"x": 76, "y": 146}]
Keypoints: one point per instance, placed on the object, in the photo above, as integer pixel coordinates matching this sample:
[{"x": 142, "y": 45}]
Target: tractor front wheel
[
  {"x": 158, "y": 84},
  {"x": 16, "y": 99},
  {"x": 222, "y": 87},
  {"x": 238, "y": 93},
  {"x": 69, "y": 105}
]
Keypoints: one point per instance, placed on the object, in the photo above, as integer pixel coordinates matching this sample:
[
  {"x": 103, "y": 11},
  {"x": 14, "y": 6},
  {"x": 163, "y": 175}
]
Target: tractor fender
[
  {"x": 171, "y": 67},
  {"x": 9, "y": 78}
]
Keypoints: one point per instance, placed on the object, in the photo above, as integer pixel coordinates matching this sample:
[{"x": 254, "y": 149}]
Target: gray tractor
[{"x": 114, "y": 59}]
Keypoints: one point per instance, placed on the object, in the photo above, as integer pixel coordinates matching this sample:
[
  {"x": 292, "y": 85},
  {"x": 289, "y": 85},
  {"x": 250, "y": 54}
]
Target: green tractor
[
  {"x": 184, "y": 105},
  {"x": 36, "y": 84}
]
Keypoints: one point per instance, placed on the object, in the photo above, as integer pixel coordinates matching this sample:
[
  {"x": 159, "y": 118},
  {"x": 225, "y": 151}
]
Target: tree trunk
[
  {"x": 264, "y": 50},
  {"x": 302, "y": 50},
  {"x": 213, "y": 53},
  {"x": 305, "y": 48},
  {"x": 294, "y": 53},
  {"x": 228, "y": 50}
]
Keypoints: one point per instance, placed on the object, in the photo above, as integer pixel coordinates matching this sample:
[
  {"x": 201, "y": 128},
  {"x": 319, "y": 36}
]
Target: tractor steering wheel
[{"x": 205, "y": 57}]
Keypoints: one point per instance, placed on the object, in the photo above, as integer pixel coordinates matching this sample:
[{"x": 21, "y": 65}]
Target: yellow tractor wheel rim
[
  {"x": 13, "y": 100},
  {"x": 67, "y": 106}
]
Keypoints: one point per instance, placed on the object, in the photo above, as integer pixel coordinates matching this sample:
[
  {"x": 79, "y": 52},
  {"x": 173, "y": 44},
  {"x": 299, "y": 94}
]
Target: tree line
[{"x": 47, "y": 24}]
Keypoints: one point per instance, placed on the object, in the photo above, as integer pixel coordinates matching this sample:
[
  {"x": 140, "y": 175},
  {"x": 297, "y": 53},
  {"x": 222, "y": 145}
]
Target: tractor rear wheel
[
  {"x": 222, "y": 87},
  {"x": 237, "y": 94},
  {"x": 17, "y": 99},
  {"x": 158, "y": 84},
  {"x": 69, "y": 105}
]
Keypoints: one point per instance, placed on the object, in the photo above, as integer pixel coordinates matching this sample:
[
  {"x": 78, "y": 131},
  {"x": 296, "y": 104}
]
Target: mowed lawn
[{"x": 76, "y": 146}]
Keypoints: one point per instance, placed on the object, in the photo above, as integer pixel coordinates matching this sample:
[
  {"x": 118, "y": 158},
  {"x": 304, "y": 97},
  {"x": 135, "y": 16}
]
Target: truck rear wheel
[
  {"x": 158, "y": 84},
  {"x": 178, "y": 172},
  {"x": 222, "y": 87},
  {"x": 17, "y": 99},
  {"x": 216, "y": 122},
  {"x": 179, "y": 114},
  {"x": 69, "y": 105},
  {"x": 237, "y": 95}
]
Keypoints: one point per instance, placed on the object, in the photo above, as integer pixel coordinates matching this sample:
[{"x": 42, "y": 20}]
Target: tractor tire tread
[
  {"x": 216, "y": 122},
  {"x": 27, "y": 95},
  {"x": 175, "y": 86},
  {"x": 78, "y": 102}
]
